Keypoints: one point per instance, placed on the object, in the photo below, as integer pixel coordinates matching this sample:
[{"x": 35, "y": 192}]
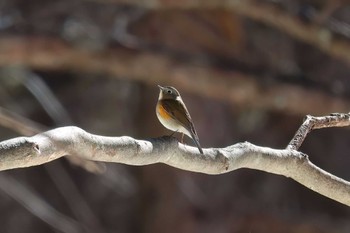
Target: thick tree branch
[
  {"x": 28, "y": 127},
  {"x": 51, "y": 145},
  {"x": 238, "y": 88}
]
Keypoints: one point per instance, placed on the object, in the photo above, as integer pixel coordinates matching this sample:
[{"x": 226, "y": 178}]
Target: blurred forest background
[{"x": 247, "y": 71}]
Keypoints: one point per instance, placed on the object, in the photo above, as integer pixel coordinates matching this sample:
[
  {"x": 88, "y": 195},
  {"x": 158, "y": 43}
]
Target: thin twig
[
  {"x": 37, "y": 206},
  {"x": 75, "y": 200},
  {"x": 64, "y": 183},
  {"x": 19, "y": 124},
  {"x": 311, "y": 123}
]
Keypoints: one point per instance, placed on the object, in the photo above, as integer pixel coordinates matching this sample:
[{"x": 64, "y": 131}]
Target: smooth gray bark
[{"x": 47, "y": 146}]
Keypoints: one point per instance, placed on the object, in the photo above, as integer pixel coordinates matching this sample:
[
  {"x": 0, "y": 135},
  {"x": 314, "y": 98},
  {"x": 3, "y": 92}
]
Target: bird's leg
[{"x": 182, "y": 138}]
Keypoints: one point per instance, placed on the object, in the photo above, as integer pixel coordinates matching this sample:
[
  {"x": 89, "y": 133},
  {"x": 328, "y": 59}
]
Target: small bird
[{"x": 173, "y": 114}]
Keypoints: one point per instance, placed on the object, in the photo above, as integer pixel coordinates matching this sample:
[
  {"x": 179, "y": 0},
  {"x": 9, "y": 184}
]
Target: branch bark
[
  {"x": 311, "y": 123},
  {"x": 27, "y": 127},
  {"x": 53, "y": 144}
]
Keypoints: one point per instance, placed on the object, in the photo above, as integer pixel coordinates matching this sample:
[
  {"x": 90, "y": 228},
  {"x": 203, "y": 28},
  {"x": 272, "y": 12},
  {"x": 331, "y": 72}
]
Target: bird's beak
[{"x": 160, "y": 92}]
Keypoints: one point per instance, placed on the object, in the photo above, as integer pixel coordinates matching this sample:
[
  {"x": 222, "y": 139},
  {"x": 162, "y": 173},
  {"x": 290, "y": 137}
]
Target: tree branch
[
  {"x": 51, "y": 145},
  {"x": 311, "y": 123},
  {"x": 28, "y": 127}
]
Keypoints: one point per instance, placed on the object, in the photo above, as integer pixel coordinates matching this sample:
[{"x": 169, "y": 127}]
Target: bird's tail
[{"x": 196, "y": 141}]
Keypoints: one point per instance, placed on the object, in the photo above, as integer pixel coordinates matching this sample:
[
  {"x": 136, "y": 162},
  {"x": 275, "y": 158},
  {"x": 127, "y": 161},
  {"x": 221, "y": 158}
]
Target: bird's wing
[{"x": 179, "y": 113}]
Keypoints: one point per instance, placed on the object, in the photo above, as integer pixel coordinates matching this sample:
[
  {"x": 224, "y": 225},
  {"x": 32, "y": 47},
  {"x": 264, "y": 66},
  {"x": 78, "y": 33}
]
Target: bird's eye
[{"x": 169, "y": 91}]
